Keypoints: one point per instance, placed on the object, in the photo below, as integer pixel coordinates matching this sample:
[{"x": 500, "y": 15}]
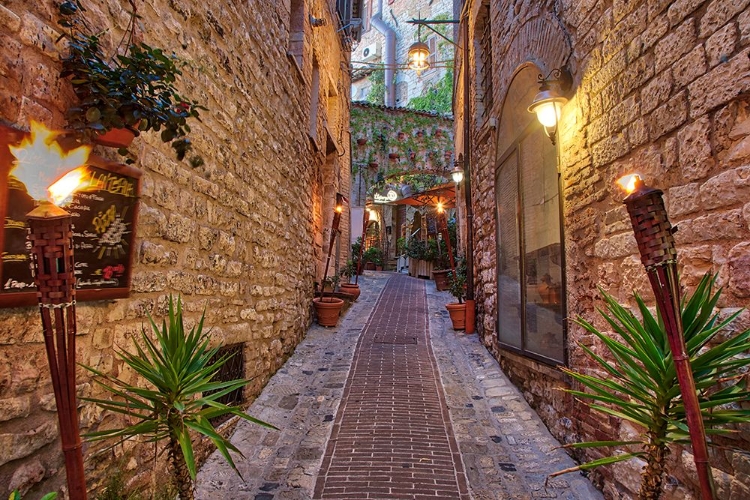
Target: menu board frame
[{"x": 27, "y": 297}]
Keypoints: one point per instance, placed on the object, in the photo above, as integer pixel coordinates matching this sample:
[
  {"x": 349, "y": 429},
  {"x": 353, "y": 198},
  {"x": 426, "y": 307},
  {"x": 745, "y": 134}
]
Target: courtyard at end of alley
[{"x": 393, "y": 403}]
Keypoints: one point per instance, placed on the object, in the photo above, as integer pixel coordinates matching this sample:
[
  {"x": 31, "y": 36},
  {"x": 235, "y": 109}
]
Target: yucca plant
[
  {"x": 640, "y": 383},
  {"x": 182, "y": 395}
]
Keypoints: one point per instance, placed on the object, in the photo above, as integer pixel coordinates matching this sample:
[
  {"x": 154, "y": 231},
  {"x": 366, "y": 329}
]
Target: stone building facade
[
  {"x": 242, "y": 236},
  {"x": 370, "y": 53},
  {"x": 659, "y": 88},
  {"x": 399, "y": 150}
]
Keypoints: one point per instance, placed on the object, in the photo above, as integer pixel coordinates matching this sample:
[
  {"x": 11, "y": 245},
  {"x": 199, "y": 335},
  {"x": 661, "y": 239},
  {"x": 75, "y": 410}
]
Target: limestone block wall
[
  {"x": 239, "y": 237},
  {"x": 660, "y": 88}
]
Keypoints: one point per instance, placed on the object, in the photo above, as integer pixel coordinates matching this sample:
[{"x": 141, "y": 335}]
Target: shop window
[{"x": 530, "y": 260}]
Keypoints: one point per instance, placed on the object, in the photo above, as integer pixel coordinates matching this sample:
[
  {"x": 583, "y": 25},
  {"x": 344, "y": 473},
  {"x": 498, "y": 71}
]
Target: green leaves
[
  {"x": 180, "y": 392},
  {"x": 134, "y": 90},
  {"x": 640, "y": 382}
]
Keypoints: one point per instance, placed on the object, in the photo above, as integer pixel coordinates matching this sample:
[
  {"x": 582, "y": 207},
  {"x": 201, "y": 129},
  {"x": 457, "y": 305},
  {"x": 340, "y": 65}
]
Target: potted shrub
[
  {"x": 182, "y": 396},
  {"x": 349, "y": 271},
  {"x": 374, "y": 259},
  {"x": 328, "y": 309},
  {"x": 457, "y": 287},
  {"x": 133, "y": 91}
]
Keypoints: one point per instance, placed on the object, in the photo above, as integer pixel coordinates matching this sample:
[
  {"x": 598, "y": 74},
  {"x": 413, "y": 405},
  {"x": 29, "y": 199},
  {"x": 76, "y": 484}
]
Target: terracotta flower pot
[
  {"x": 351, "y": 289},
  {"x": 361, "y": 141},
  {"x": 328, "y": 310},
  {"x": 373, "y": 165},
  {"x": 441, "y": 279},
  {"x": 117, "y": 137},
  {"x": 457, "y": 313}
]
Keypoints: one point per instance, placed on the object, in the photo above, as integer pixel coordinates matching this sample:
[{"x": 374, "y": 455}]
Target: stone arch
[{"x": 541, "y": 41}]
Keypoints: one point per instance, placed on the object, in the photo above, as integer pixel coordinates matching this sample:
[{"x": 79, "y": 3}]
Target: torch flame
[
  {"x": 629, "y": 182},
  {"x": 67, "y": 185},
  {"x": 440, "y": 207},
  {"x": 40, "y": 161}
]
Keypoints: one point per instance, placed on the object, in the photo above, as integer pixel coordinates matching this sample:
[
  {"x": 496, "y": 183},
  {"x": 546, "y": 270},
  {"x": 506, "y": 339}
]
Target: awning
[{"x": 444, "y": 193}]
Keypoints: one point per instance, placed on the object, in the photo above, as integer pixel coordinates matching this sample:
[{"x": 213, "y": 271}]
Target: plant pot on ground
[
  {"x": 457, "y": 287},
  {"x": 374, "y": 258},
  {"x": 349, "y": 271},
  {"x": 132, "y": 90},
  {"x": 328, "y": 309},
  {"x": 441, "y": 279}
]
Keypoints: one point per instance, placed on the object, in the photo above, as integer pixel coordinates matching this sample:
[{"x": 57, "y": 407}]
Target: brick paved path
[{"x": 392, "y": 437}]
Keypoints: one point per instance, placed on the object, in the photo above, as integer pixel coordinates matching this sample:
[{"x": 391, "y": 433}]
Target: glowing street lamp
[
  {"x": 418, "y": 57},
  {"x": 656, "y": 244},
  {"x": 38, "y": 159}
]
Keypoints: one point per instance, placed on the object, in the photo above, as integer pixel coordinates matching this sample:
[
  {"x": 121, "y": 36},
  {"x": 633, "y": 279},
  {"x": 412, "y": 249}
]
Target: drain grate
[{"x": 392, "y": 339}]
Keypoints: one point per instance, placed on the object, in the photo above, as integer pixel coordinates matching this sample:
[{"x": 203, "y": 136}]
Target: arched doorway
[{"x": 530, "y": 258}]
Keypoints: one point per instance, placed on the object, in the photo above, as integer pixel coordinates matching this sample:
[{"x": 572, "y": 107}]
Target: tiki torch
[
  {"x": 337, "y": 211},
  {"x": 52, "y": 267},
  {"x": 443, "y": 227},
  {"x": 656, "y": 244}
]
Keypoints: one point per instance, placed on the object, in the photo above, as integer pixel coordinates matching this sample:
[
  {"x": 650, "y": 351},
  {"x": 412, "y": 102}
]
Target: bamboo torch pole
[{"x": 656, "y": 244}]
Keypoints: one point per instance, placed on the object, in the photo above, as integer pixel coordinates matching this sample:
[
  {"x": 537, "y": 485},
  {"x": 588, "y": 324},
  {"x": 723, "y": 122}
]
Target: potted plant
[
  {"x": 348, "y": 271},
  {"x": 637, "y": 381},
  {"x": 181, "y": 371},
  {"x": 356, "y": 249},
  {"x": 457, "y": 287},
  {"x": 133, "y": 91},
  {"x": 328, "y": 309},
  {"x": 373, "y": 258}
]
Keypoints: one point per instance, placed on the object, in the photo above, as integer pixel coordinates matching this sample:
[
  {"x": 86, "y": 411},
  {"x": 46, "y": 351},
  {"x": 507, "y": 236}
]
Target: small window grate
[{"x": 233, "y": 369}]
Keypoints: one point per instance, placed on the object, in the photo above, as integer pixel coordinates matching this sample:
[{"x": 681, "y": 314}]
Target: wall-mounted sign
[
  {"x": 388, "y": 197},
  {"x": 104, "y": 220}
]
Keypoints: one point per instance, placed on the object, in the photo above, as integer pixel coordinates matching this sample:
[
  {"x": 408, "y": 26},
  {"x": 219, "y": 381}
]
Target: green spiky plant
[
  {"x": 640, "y": 382},
  {"x": 183, "y": 396}
]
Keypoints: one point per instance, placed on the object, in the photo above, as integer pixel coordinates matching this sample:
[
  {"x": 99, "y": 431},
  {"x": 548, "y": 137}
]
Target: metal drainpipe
[
  {"x": 390, "y": 54},
  {"x": 470, "y": 304}
]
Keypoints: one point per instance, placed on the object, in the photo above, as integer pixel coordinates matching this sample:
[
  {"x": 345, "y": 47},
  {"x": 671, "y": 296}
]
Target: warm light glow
[
  {"x": 440, "y": 208},
  {"x": 67, "y": 185},
  {"x": 457, "y": 174},
  {"x": 373, "y": 216},
  {"x": 339, "y": 208},
  {"x": 418, "y": 56},
  {"x": 548, "y": 113},
  {"x": 40, "y": 161},
  {"x": 629, "y": 182}
]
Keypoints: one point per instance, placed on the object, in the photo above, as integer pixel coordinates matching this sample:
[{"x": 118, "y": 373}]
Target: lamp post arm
[{"x": 426, "y": 23}]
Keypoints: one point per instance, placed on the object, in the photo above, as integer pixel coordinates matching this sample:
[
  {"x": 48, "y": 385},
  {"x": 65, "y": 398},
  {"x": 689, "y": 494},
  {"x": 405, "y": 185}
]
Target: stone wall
[
  {"x": 241, "y": 236},
  {"x": 660, "y": 87}
]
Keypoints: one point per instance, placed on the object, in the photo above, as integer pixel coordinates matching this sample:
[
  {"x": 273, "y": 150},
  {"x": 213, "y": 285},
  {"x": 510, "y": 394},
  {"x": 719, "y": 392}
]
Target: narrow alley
[{"x": 393, "y": 403}]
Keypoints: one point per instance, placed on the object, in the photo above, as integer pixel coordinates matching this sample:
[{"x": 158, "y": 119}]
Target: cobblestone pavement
[{"x": 505, "y": 449}]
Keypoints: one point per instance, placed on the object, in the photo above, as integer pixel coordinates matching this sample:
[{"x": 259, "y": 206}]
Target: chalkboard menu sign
[{"x": 104, "y": 219}]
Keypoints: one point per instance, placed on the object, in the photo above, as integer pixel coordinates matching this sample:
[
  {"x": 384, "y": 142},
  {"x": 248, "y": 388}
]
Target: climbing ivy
[
  {"x": 377, "y": 91},
  {"x": 438, "y": 98}
]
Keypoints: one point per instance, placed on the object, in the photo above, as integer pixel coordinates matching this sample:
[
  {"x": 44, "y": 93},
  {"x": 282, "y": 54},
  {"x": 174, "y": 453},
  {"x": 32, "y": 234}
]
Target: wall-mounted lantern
[{"x": 547, "y": 104}]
